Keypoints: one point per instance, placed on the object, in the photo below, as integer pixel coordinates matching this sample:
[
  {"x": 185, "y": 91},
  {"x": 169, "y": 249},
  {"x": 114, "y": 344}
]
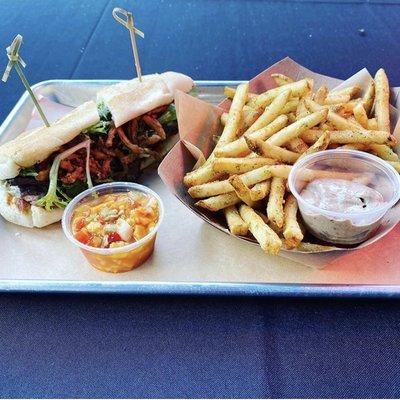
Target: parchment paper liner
[{"x": 199, "y": 123}]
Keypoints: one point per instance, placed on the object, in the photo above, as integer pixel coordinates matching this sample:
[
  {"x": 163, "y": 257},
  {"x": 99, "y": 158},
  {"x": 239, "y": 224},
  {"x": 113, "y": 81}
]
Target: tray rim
[
  {"x": 201, "y": 288},
  {"x": 178, "y": 287}
]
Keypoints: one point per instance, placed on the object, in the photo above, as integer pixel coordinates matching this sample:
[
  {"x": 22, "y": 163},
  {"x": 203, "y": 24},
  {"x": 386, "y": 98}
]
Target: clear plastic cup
[
  {"x": 117, "y": 259},
  {"x": 341, "y": 217}
]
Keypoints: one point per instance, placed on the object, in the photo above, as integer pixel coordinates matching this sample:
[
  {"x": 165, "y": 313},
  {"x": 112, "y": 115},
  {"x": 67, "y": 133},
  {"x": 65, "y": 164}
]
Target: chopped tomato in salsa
[{"x": 115, "y": 219}]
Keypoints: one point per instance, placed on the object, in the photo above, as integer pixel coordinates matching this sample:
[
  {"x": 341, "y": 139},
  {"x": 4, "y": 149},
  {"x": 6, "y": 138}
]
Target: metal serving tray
[{"x": 191, "y": 257}]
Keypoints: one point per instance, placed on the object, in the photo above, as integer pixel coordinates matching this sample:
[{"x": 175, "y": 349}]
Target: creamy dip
[{"x": 343, "y": 196}]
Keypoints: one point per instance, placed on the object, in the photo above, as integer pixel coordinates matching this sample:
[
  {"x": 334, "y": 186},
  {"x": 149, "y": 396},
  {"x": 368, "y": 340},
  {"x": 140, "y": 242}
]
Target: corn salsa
[{"x": 115, "y": 219}]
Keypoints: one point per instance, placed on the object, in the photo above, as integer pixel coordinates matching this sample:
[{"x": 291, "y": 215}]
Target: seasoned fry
[
  {"x": 295, "y": 129},
  {"x": 321, "y": 144},
  {"x": 382, "y": 101},
  {"x": 234, "y": 115},
  {"x": 341, "y": 123},
  {"x": 291, "y": 228},
  {"x": 219, "y": 202},
  {"x": 353, "y": 121},
  {"x": 278, "y": 231},
  {"x": 270, "y": 113},
  {"x": 275, "y": 201},
  {"x": 383, "y": 151},
  {"x": 261, "y": 174},
  {"x": 265, "y": 236},
  {"x": 297, "y": 145},
  {"x": 275, "y": 152},
  {"x": 235, "y": 222},
  {"x": 210, "y": 189},
  {"x": 249, "y": 179},
  {"x": 356, "y": 146},
  {"x": 290, "y": 106},
  {"x": 229, "y": 92},
  {"x": 281, "y": 79},
  {"x": 338, "y": 121},
  {"x": 248, "y": 115},
  {"x": 301, "y": 110},
  {"x": 321, "y": 94},
  {"x": 344, "y": 137},
  {"x": 395, "y": 165},
  {"x": 314, "y": 248},
  {"x": 240, "y": 165},
  {"x": 264, "y": 99},
  {"x": 334, "y": 98},
  {"x": 203, "y": 174},
  {"x": 344, "y": 109},
  {"x": 239, "y": 146},
  {"x": 260, "y": 190},
  {"x": 360, "y": 115},
  {"x": 351, "y": 91},
  {"x": 241, "y": 190},
  {"x": 372, "y": 124},
  {"x": 392, "y": 141},
  {"x": 325, "y": 127},
  {"x": 347, "y": 137},
  {"x": 368, "y": 98}
]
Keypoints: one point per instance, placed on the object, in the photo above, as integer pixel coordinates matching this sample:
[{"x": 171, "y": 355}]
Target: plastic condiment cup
[
  {"x": 117, "y": 259},
  {"x": 341, "y": 226}
]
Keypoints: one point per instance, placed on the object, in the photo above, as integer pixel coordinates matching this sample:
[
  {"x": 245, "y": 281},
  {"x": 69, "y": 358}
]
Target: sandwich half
[{"x": 131, "y": 126}]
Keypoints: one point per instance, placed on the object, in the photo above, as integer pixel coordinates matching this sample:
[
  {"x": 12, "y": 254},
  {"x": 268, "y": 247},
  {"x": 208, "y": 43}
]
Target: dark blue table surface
[{"x": 125, "y": 346}]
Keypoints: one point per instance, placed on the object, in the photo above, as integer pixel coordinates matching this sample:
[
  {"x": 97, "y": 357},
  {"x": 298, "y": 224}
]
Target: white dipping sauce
[{"x": 341, "y": 195}]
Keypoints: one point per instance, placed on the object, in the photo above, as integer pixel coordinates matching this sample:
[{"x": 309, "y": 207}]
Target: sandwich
[{"x": 131, "y": 126}]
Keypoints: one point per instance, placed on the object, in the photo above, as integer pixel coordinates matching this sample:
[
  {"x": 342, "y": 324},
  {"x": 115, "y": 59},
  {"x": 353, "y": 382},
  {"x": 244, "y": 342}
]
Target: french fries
[
  {"x": 337, "y": 99},
  {"x": 229, "y": 92},
  {"x": 264, "y": 134},
  {"x": 241, "y": 190},
  {"x": 235, "y": 222},
  {"x": 239, "y": 146},
  {"x": 260, "y": 190},
  {"x": 301, "y": 110},
  {"x": 351, "y": 91},
  {"x": 382, "y": 101},
  {"x": 275, "y": 202},
  {"x": 383, "y": 151},
  {"x": 347, "y": 137},
  {"x": 281, "y": 79},
  {"x": 249, "y": 116},
  {"x": 264, "y": 99},
  {"x": 203, "y": 174},
  {"x": 321, "y": 144},
  {"x": 372, "y": 124},
  {"x": 234, "y": 115},
  {"x": 249, "y": 178},
  {"x": 271, "y": 112},
  {"x": 321, "y": 94},
  {"x": 265, "y": 236},
  {"x": 266, "y": 149},
  {"x": 290, "y": 106},
  {"x": 240, "y": 165},
  {"x": 368, "y": 98},
  {"x": 294, "y": 130},
  {"x": 297, "y": 145},
  {"x": 360, "y": 115},
  {"x": 219, "y": 202},
  {"x": 291, "y": 228}
]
